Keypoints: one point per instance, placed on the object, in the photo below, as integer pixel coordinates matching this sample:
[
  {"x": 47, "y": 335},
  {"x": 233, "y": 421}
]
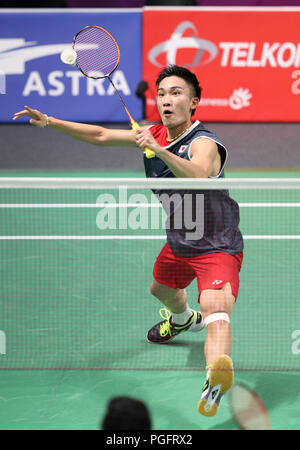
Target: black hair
[
  {"x": 125, "y": 413},
  {"x": 181, "y": 72}
]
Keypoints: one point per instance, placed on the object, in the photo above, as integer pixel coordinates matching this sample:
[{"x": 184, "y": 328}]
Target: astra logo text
[{"x": 16, "y": 53}]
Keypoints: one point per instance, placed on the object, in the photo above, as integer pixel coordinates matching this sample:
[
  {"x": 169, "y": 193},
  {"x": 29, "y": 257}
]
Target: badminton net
[{"x": 76, "y": 263}]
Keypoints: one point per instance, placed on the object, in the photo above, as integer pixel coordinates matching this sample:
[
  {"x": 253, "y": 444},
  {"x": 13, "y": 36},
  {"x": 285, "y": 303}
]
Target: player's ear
[{"x": 194, "y": 103}]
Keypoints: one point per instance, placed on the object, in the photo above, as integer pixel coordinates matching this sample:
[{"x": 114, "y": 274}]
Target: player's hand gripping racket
[{"x": 98, "y": 55}]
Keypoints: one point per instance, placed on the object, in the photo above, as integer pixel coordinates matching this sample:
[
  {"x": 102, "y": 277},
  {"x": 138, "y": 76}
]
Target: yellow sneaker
[
  {"x": 218, "y": 383},
  {"x": 165, "y": 331}
]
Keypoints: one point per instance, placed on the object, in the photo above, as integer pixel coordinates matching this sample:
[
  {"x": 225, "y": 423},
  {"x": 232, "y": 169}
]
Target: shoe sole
[
  {"x": 160, "y": 342},
  {"x": 221, "y": 374}
]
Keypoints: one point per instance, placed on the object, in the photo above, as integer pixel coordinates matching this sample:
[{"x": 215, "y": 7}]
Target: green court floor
[
  {"x": 76, "y": 399},
  {"x": 75, "y": 312}
]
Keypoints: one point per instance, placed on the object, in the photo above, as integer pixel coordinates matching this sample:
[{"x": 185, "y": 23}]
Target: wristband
[{"x": 47, "y": 121}]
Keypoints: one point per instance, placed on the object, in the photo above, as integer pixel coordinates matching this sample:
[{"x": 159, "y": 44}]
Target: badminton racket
[
  {"x": 97, "y": 56},
  {"x": 248, "y": 409}
]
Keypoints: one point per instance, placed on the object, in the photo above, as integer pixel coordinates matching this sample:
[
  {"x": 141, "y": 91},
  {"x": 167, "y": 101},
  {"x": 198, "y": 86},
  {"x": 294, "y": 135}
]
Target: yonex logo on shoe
[
  {"x": 217, "y": 282},
  {"x": 214, "y": 393}
]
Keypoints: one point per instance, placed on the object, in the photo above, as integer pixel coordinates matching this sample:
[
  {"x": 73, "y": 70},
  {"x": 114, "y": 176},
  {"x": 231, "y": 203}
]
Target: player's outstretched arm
[{"x": 92, "y": 134}]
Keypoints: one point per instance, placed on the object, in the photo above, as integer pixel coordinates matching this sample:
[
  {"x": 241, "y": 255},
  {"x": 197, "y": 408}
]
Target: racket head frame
[
  {"x": 114, "y": 41},
  {"x": 134, "y": 124},
  {"x": 255, "y": 398}
]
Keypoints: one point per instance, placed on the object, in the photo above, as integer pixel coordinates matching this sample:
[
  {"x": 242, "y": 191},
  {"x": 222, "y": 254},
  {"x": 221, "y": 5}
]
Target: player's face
[{"x": 175, "y": 101}]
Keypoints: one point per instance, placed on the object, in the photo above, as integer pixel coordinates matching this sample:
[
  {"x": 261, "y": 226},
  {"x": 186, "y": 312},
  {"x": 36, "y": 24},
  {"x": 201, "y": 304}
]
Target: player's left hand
[
  {"x": 37, "y": 118},
  {"x": 144, "y": 138}
]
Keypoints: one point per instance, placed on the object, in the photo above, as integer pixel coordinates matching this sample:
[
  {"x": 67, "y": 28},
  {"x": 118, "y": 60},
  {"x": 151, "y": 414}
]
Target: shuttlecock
[{"x": 68, "y": 56}]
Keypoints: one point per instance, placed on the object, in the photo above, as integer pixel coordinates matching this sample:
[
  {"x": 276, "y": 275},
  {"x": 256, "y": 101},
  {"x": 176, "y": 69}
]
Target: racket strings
[{"x": 97, "y": 52}]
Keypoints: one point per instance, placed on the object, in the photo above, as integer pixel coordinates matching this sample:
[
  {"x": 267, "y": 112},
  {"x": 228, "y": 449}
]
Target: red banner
[{"x": 247, "y": 61}]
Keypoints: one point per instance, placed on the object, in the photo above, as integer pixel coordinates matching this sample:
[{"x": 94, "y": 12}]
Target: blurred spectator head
[{"x": 126, "y": 413}]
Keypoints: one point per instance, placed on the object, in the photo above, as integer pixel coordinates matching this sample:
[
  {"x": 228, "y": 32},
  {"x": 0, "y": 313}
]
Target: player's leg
[
  {"x": 218, "y": 284},
  {"x": 216, "y": 307},
  {"x": 177, "y": 315},
  {"x": 173, "y": 299},
  {"x": 171, "y": 276},
  {"x": 218, "y": 287}
]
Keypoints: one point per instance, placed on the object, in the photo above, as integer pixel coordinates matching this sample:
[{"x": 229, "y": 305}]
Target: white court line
[
  {"x": 78, "y": 183},
  {"x": 269, "y": 205},
  {"x": 120, "y": 205},
  {"x": 272, "y": 236},
  {"x": 131, "y": 205},
  {"x": 83, "y": 238},
  {"x": 131, "y": 237},
  {"x": 80, "y": 205}
]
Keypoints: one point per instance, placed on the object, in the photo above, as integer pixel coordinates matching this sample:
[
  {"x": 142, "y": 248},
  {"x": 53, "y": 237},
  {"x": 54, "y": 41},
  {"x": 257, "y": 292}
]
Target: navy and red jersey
[{"x": 219, "y": 227}]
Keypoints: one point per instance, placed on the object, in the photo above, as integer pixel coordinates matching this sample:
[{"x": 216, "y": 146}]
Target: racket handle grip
[{"x": 148, "y": 152}]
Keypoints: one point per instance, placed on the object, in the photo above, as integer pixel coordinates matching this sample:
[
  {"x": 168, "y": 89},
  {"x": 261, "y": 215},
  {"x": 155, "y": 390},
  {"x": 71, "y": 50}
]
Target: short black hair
[
  {"x": 181, "y": 72},
  {"x": 126, "y": 413}
]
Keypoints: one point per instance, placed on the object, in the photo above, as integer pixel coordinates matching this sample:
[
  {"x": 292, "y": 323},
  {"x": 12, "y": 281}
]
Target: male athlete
[{"x": 185, "y": 149}]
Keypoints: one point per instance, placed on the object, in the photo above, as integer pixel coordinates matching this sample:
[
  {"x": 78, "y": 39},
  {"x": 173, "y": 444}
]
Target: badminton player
[{"x": 185, "y": 149}]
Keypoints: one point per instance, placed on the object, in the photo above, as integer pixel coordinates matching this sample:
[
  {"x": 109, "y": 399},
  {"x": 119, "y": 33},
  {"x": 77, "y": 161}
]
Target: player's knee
[
  {"x": 163, "y": 292},
  {"x": 217, "y": 300},
  {"x": 152, "y": 288},
  {"x": 217, "y": 318},
  {"x": 155, "y": 289},
  {"x": 227, "y": 298}
]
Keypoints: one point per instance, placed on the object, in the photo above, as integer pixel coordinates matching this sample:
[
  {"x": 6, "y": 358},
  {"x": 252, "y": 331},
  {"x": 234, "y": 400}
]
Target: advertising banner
[
  {"x": 247, "y": 60},
  {"x": 31, "y": 72}
]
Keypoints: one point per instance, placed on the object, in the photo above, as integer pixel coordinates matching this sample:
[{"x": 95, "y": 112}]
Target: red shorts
[{"x": 213, "y": 270}]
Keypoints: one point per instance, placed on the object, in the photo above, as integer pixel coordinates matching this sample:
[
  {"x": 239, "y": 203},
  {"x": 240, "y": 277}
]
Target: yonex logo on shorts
[{"x": 217, "y": 282}]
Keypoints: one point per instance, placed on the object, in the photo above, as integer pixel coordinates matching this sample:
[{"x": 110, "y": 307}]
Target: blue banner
[{"x": 33, "y": 74}]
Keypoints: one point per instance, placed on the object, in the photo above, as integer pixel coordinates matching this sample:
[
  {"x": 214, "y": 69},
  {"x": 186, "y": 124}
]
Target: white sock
[{"x": 182, "y": 318}]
